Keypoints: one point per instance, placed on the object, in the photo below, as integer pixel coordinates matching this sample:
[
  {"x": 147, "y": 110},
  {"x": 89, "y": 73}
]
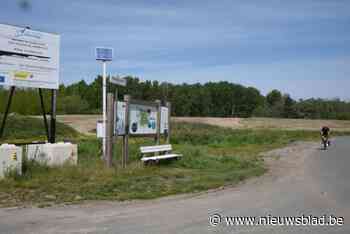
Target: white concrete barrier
[
  {"x": 53, "y": 154},
  {"x": 10, "y": 159}
]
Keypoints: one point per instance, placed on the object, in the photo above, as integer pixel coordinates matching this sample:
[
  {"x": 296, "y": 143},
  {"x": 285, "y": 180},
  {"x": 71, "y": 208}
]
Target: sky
[{"x": 301, "y": 47}]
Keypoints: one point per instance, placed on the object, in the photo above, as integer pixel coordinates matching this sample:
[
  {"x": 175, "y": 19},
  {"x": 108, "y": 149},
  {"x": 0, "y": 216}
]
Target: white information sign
[
  {"x": 164, "y": 118},
  {"x": 28, "y": 58},
  {"x": 143, "y": 119},
  {"x": 120, "y": 119},
  {"x": 100, "y": 130},
  {"x": 118, "y": 81}
]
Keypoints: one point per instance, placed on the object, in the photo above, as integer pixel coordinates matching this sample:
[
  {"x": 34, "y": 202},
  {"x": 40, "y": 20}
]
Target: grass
[
  {"x": 20, "y": 128},
  {"x": 213, "y": 157}
]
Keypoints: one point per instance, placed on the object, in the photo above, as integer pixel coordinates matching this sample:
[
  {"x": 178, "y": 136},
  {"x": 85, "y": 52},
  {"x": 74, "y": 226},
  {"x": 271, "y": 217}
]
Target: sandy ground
[
  {"x": 292, "y": 187},
  {"x": 295, "y": 124},
  {"x": 87, "y": 123},
  {"x": 222, "y": 122},
  {"x": 83, "y": 123}
]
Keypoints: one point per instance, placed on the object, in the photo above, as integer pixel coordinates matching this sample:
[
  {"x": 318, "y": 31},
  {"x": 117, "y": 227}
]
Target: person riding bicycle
[{"x": 325, "y": 132}]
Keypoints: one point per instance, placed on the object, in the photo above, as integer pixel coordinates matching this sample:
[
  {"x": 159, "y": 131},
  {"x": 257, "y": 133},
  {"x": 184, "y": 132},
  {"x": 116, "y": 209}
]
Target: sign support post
[
  {"x": 158, "y": 122},
  {"x": 168, "y": 104},
  {"x": 53, "y": 116},
  {"x": 109, "y": 129},
  {"x": 7, "y": 111},
  {"x": 44, "y": 114},
  {"x": 126, "y": 135},
  {"x": 104, "y": 55},
  {"x": 104, "y": 115}
]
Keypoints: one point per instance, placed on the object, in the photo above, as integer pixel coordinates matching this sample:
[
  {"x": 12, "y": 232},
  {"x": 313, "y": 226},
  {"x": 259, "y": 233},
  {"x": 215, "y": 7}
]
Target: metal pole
[
  {"x": 109, "y": 129},
  {"x": 7, "y": 111},
  {"x": 53, "y": 116},
  {"x": 44, "y": 114},
  {"x": 104, "y": 86}
]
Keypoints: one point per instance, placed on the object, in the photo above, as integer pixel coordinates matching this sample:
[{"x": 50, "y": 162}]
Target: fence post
[{"x": 109, "y": 129}]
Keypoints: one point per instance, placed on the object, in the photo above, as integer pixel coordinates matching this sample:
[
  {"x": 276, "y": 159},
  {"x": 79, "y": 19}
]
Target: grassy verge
[
  {"x": 26, "y": 129},
  {"x": 213, "y": 157}
]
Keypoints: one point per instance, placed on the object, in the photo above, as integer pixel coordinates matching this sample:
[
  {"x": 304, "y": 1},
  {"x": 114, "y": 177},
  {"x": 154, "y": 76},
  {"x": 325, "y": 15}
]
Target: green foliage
[
  {"x": 72, "y": 104},
  {"x": 21, "y": 128},
  {"x": 216, "y": 99},
  {"x": 274, "y": 97}
]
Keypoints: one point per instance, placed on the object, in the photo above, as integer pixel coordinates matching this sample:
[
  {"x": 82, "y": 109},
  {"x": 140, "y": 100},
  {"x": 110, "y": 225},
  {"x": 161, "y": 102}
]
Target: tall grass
[
  {"x": 212, "y": 157},
  {"x": 20, "y": 128}
]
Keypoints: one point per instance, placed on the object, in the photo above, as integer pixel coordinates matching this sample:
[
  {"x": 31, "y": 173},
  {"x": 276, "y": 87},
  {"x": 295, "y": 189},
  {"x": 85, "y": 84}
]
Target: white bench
[{"x": 164, "y": 152}]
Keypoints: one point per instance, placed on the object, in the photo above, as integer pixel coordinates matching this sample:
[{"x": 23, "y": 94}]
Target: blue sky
[{"x": 301, "y": 47}]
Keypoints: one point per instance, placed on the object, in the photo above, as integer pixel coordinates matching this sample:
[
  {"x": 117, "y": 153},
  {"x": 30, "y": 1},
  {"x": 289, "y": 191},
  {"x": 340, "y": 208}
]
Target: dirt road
[{"x": 302, "y": 180}]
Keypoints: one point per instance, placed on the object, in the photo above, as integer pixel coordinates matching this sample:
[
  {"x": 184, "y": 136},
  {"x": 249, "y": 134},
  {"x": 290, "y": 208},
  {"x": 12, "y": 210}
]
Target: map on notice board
[{"x": 143, "y": 119}]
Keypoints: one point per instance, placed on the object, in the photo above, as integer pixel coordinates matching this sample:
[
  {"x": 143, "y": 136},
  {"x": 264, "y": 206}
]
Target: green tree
[{"x": 274, "y": 97}]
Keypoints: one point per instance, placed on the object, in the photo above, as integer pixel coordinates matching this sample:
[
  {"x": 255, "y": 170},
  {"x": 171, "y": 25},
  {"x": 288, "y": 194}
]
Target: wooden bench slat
[
  {"x": 153, "y": 149},
  {"x": 144, "y": 159}
]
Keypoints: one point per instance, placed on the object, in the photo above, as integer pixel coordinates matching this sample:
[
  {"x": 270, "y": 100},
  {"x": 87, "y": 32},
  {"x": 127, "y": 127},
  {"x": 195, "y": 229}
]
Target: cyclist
[{"x": 325, "y": 132}]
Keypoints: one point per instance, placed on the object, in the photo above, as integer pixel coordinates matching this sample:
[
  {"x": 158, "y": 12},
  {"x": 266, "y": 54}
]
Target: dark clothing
[{"x": 325, "y": 131}]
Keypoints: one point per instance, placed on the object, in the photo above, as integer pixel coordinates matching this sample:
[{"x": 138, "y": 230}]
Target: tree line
[{"x": 216, "y": 99}]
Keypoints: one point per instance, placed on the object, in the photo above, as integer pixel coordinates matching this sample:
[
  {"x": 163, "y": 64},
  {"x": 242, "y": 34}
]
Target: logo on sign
[
  {"x": 26, "y": 33},
  {"x": 23, "y": 75},
  {"x": 2, "y": 79}
]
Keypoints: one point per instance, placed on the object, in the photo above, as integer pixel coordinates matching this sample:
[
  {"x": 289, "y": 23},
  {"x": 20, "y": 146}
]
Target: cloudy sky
[{"x": 301, "y": 47}]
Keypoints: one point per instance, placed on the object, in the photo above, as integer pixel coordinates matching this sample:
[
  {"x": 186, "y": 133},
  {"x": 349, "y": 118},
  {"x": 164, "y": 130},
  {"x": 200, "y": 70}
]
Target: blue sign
[
  {"x": 104, "y": 54},
  {"x": 2, "y": 79}
]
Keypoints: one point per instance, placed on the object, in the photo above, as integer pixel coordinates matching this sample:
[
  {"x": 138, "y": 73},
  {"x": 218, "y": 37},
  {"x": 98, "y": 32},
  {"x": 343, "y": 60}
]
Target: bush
[{"x": 72, "y": 105}]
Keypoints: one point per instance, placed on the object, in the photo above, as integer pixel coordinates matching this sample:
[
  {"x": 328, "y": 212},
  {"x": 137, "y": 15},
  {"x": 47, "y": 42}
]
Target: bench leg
[{"x": 150, "y": 162}]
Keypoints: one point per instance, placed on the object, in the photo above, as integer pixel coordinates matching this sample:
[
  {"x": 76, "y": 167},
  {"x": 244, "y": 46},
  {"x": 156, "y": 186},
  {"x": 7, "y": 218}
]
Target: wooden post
[
  {"x": 168, "y": 104},
  {"x": 109, "y": 129},
  {"x": 126, "y": 135},
  {"x": 115, "y": 138},
  {"x": 158, "y": 122}
]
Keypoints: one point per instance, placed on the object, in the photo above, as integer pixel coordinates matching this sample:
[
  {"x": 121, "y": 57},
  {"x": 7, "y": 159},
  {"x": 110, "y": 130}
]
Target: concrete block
[
  {"x": 53, "y": 154},
  {"x": 10, "y": 159}
]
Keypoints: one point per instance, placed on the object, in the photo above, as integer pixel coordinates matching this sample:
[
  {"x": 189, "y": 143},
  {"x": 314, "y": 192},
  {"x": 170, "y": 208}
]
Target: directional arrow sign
[{"x": 118, "y": 81}]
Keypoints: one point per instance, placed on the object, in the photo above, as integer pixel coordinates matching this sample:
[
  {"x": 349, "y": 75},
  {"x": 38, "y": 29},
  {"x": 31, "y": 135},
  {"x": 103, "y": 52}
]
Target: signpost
[
  {"x": 30, "y": 58},
  {"x": 117, "y": 81},
  {"x": 104, "y": 54},
  {"x": 135, "y": 118}
]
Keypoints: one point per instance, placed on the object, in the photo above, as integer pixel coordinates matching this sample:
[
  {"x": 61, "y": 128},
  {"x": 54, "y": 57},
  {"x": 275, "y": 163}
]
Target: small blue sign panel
[
  {"x": 2, "y": 79},
  {"x": 104, "y": 54}
]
